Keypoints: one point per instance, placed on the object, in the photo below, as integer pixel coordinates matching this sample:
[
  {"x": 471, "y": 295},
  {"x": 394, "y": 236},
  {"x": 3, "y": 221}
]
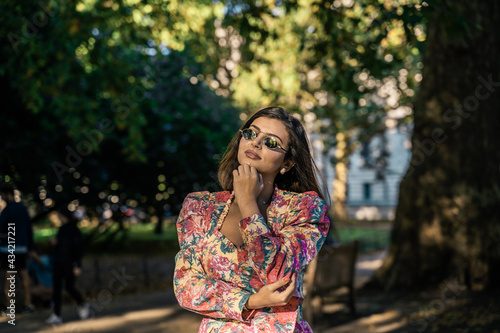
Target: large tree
[{"x": 448, "y": 215}]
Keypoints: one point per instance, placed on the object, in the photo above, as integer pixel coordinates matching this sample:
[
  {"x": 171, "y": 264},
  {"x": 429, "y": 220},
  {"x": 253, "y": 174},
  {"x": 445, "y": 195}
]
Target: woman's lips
[{"x": 252, "y": 155}]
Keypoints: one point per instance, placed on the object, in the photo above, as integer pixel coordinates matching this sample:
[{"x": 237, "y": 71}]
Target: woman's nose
[{"x": 257, "y": 142}]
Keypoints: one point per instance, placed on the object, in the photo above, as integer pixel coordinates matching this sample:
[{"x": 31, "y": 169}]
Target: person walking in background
[
  {"x": 41, "y": 280},
  {"x": 16, "y": 244},
  {"x": 66, "y": 266},
  {"x": 243, "y": 251}
]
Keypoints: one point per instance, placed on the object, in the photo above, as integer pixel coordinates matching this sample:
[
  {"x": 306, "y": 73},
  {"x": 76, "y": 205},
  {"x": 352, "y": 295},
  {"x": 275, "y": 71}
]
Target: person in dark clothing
[
  {"x": 66, "y": 265},
  {"x": 41, "y": 280},
  {"x": 16, "y": 244}
]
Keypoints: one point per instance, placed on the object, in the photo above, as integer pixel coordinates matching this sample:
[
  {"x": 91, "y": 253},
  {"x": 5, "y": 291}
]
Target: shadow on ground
[
  {"x": 414, "y": 312},
  {"x": 151, "y": 312}
]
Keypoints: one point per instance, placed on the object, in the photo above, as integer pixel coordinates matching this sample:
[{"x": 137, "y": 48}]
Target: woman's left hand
[{"x": 270, "y": 295}]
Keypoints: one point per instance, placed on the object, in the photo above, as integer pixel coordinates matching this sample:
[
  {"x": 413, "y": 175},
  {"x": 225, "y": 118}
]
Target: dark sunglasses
[{"x": 269, "y": 141}]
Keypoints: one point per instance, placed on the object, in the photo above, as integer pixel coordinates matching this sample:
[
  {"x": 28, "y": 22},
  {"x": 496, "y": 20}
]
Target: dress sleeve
[
  {"x": 275, "y": 255},
  {"x": 195, "y": 291}
]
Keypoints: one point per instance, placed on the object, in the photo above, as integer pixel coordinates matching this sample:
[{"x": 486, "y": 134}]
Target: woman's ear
[{"x": 288, "y": 164}]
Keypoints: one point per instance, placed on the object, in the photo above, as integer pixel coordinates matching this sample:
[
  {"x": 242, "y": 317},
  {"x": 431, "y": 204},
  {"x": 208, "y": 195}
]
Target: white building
[{"x": 372, "y": 181}]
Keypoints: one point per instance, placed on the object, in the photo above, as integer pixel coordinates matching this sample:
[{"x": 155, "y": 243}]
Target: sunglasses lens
[
  {"x": 271, "y": 143},
  {"x": 248, "y": 134}
]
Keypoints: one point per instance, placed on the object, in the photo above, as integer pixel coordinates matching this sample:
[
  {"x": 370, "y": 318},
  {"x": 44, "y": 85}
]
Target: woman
[
  {"x": 66, "y": 266},
  {"x": 243, "y": 251}
]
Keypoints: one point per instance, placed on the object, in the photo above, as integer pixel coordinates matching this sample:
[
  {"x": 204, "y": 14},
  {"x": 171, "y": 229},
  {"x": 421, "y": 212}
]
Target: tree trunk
[
  {"x": 340, "y": 180},
  {"x": 448, "y": 216}
]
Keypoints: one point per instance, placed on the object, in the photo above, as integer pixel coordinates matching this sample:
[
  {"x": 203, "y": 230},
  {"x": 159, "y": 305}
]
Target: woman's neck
[{"x": 266, "y": 194}]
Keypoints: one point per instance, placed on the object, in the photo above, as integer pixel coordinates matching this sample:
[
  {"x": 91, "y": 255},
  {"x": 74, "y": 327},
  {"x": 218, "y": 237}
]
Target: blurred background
[{"x": 119, "y": 108}]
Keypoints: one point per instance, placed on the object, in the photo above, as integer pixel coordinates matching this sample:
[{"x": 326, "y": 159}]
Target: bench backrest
[{"x": 332, "y": 268}]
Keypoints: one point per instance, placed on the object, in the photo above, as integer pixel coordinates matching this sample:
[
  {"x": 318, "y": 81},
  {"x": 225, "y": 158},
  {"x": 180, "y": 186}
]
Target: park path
[
  {"x": 155, "y": 312},
  {"x": 150, "y": 312}
]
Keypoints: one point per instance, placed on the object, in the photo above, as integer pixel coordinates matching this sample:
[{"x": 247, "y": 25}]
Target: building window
[
  {"x": 366, "y": 155},
  {"x": 367, "y": 191}
]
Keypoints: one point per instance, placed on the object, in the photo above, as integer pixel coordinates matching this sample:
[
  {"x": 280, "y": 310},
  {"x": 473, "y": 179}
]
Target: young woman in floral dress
[{"x": 243, "y": 251}]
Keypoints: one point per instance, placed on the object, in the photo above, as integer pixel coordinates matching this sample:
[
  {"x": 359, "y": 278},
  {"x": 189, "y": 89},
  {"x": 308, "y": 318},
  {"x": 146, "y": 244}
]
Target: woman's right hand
[
  {"x": 247, "y": 183},
  {"x": 269, "y": 296}
]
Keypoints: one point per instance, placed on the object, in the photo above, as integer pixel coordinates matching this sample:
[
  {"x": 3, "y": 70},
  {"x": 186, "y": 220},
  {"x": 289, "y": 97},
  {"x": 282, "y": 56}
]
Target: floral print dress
[{"x": 215, "y": 278}]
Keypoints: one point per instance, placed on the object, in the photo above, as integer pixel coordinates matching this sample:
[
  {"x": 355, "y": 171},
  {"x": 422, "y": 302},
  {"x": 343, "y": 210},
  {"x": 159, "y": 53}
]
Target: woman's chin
[
  {"x": 246, "y": 161},
  {"x": 249, "y": 163},
  {"x": 252, "y": 164}
]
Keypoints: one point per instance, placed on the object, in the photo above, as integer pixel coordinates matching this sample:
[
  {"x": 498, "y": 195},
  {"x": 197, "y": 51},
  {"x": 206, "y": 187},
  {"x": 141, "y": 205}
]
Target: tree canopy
[
  {"x": 99, "y": 109},
  {"x": 122, "y": 93}
]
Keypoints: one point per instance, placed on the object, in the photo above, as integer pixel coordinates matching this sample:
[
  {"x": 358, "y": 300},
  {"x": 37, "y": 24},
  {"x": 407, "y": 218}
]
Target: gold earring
[{"x": 282, "y": 171}]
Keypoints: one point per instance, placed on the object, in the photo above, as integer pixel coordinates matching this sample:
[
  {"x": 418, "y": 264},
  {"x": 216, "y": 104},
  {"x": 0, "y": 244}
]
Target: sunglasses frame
[{"x": 266, "y": 136}]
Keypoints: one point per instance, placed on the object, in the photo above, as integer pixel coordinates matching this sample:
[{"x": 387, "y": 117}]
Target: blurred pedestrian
[
  {"x": 243, "y": 251},
  {"x": 16, "y": 244},
  {"x": 66, "y": 265},
  {"x": 41, "y": 280}
]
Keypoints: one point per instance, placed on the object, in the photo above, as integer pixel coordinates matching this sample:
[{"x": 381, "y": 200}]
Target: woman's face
[{"x": 268, "y": 162}]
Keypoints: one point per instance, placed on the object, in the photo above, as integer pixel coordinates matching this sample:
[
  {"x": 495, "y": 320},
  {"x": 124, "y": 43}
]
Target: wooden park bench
[{"x": 332, "y": 269}]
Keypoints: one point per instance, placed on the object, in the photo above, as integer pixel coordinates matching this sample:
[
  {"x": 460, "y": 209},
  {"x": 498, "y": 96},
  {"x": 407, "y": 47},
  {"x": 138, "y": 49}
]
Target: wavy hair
[{"x": 302, "y": 177}]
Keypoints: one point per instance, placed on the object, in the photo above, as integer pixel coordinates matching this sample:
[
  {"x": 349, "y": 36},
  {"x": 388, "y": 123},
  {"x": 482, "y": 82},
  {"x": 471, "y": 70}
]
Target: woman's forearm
[{"x": 248, "y": 208}]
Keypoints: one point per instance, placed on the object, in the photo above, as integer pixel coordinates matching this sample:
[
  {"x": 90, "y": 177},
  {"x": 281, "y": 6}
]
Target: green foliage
[
  {"x": 128, "y": 102},
  {"x": 338, "y": 60},
  {"x": 101, "y": 104}
]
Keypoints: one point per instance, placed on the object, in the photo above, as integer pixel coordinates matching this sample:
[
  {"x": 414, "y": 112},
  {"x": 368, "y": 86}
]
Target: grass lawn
[
  {"x": 369, "y": 239},
  {"x": 110, "y": 240},
  {"x": 141, "y": 239}
]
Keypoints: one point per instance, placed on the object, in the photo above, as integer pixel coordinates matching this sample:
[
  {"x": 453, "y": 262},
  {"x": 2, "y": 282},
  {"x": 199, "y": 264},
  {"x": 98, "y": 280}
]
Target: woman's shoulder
[
  {"x": 309, "y": 200},
  {"x": 197, "y": 196},
  {"x": 205, "y": 197},
  {"x": 309, "y": 195}
]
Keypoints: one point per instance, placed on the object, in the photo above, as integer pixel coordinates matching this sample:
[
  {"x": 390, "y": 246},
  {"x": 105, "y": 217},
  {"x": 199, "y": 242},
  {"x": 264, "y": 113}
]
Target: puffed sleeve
[
  {"x": 275, "y": 255},
  {"x": 195, "y": 291}
]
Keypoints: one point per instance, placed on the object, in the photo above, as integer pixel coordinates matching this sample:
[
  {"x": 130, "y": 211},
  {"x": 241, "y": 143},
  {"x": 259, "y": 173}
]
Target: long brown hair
[{"x": 302, "y": 177}]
